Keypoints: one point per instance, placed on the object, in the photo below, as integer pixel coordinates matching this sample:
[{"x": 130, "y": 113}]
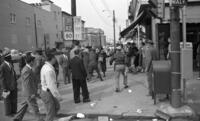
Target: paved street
[{"x": 105, "y": 101}]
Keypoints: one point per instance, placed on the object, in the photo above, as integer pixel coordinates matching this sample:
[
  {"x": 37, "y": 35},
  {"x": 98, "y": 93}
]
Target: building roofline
[{"x": 63, "y": 12}]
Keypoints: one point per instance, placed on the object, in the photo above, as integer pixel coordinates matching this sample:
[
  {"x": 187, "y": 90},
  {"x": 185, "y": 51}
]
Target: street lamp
[{"x": 114, "y": 40}]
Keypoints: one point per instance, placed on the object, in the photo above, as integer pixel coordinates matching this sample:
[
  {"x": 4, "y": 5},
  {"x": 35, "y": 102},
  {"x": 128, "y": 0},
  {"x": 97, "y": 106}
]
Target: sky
[{"x": 97, "y": 13}]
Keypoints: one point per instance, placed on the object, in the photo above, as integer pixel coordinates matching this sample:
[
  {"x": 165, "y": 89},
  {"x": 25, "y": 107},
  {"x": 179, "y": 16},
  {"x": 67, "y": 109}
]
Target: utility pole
[
  {"x": 73, "y": 12},
  {"x": 73, "y": 7},
  {"x": 114, "y": 29},
  {"x": 36, "y": 35},
  {"x": 175, "y": 57},
  {"x": 100, "y": 38}
]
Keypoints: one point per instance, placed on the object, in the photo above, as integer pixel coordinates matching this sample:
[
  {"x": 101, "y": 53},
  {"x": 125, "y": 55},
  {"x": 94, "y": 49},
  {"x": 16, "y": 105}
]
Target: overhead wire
[{"x": 95, "y": 8}]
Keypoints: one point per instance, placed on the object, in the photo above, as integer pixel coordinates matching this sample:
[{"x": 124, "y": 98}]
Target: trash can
[{"x": 161, "y": 78}]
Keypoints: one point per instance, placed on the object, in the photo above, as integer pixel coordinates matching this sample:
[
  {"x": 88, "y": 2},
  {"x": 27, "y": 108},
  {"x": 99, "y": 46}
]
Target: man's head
[
  {"x": 75, "y": 43},
  {"x": 76, "y": 52},
  {"x": 149, "y": 42},
  {"x": 29, "y": 59},
  {"x": 50, "y": 57},
  {"x": 7, "y": 55},
  {"x": 38, "y": 51}
]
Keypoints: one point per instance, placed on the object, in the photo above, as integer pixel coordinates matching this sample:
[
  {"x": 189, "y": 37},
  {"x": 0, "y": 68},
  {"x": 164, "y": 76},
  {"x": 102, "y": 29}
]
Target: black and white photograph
[{"x": 99, "y": 60}]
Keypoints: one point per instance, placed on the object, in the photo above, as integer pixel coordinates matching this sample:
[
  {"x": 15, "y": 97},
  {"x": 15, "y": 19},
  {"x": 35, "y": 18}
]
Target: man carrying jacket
[{"x": 29, "y": 88}]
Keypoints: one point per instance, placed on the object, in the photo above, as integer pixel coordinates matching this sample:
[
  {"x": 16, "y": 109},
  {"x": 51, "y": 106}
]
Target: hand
[
  {"x": 5, "y": 94},
  {"x": 60, "y": 99}
]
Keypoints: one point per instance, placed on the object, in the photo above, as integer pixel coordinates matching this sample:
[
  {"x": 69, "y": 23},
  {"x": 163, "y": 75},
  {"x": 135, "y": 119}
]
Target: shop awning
[{"x": 136, "y": 22}]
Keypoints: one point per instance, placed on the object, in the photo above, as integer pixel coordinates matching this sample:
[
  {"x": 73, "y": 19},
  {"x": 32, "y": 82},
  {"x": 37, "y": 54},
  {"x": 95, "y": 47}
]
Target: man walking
[
  {"x": 93, "y": 64},
  {"x": 9, "y": 84},
  {"x": 120, "y": 65},
  {"x": 50, "y": 94},
  {"x": 79, "y": 75},
  {"x": 29, "y": 88},
  {"x": 64, "y": 63},
  {"x": 150, "y": 55}
]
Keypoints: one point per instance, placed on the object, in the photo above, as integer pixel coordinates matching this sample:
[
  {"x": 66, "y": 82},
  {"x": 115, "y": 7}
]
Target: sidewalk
[
  {"x": 193, "y": 93},
  {"x": 129, "y": 102}
]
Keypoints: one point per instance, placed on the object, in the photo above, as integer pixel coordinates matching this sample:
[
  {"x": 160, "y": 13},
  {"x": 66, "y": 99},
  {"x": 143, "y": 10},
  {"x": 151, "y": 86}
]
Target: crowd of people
[
  {"x": 39, "y": 77},
  {"x": 39, "y": 74}
]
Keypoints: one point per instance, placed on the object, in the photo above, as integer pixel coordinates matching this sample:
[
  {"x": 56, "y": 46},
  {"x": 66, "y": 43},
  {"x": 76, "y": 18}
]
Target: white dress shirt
[
  {"x": 48, "y": 79},
  {"x": 72, "y": 52}
]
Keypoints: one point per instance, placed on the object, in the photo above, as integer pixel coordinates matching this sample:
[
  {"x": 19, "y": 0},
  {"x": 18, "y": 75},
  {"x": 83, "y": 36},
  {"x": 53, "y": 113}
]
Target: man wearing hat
[
  {"x": 29, "y": 88},
  {"x": 120, "y": 66},
  {"x": 64, "y": 63},
  {"x": 150, "y": 54},
  {"x": 38, "y": 63},
  {"x": 9, "y": 84}
]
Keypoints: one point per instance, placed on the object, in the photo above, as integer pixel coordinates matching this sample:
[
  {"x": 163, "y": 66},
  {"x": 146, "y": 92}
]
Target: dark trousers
[
  {"x": 51, "y": 104},
  {"x": 32, "y": 103},
  {"x": 91, "y": 69},
  {"x": 66, "y": 75},
  {"x": 77, "y": 84},
  {"x": 10, "y": 103},
  {"x": 149, "y": 80}
]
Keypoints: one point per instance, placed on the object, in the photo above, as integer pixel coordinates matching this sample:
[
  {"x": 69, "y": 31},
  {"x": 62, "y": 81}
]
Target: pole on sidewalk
[
  {"x": 114, "y": 41},
  {"x": 73, "y": 12},
  {"x": 73, "y": 7},
  {"x": 175, "y": 57}
]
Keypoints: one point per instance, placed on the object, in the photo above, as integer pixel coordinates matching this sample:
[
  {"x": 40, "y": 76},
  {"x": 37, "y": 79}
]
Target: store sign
[
  {"x": 77, "y": 28},
  {"x": 177, "y": 2},
  {"x": 161, "y": 8},
  {"x": 68, "y": 35}
]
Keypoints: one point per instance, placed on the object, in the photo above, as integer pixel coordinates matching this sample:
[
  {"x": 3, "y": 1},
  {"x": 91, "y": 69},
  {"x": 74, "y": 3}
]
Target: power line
[
  {"x": 95, "y": 8},
  {"x": 105, "y": 4}
]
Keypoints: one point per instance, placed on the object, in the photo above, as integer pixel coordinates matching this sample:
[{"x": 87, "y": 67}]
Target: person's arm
[
  {"x": 83, "y": 68},
  {"x": 51, "y": 83},
  {"x": 2, "y": 78}
]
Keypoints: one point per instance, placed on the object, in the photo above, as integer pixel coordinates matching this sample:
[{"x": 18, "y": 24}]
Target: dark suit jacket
[
  {"x": 77, "y": 68},
  {"x": 29, "y": 83},
  {"x": 7, "y": 77},
  {"x": 151, "y": 55}
]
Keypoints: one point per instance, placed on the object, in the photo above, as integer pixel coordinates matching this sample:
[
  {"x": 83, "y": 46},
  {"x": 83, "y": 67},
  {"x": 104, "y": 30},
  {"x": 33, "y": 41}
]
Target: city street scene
[{"x": 99, "y": 60}]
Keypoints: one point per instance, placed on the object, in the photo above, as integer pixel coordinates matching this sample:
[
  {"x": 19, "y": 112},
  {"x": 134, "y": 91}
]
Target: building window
[
  {"x": 12, "y": 18},
  {"x": 28, "y": 21},
  {"x": 55, "y": 15},
  {"x": 39, "y": 23}
]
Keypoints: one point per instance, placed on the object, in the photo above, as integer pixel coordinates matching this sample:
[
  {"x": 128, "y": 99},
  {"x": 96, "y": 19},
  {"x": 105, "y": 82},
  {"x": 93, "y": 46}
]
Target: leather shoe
[{"x": 86, "y": 100}]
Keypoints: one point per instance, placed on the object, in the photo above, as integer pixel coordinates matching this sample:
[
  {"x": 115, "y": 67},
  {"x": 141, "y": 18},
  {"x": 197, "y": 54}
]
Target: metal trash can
[{"x": 161, "y": 78}]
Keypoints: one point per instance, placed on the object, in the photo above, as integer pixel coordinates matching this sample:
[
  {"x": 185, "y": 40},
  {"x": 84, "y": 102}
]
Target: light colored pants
[{"x": 120, "y": 69}]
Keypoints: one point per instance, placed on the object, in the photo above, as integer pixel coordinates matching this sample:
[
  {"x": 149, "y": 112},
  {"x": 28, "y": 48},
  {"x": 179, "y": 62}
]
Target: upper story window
[
  {"x": 55, "y": 15},
  {"x": 28, "y": 21},
  {"x": 39, "y": 23},
  {"x": 12, "y": 18}
]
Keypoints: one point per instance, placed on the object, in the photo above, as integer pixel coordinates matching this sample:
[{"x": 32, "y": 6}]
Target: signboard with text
[
  {"x": 161, "y": 8},
  {"x": 68, "y": 35},
  {"x": 77, "y": 28},
  {"x": 177, "y": 2}
]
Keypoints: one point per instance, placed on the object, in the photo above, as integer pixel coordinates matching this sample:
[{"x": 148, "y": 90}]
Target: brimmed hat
[
  {"x": 118, "y": 47},
  {"x": 6, "y": 52},
  {"x": 38, "y": 50},
  {"x": 29, "y": 58}
]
